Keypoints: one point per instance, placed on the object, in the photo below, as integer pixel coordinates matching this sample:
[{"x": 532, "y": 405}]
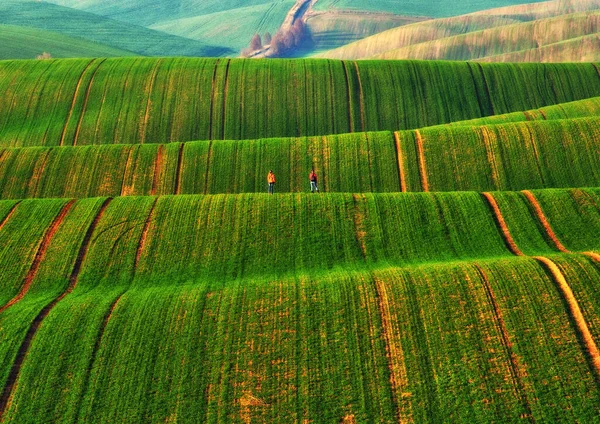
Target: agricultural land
[{"x": 446, "y": 272}]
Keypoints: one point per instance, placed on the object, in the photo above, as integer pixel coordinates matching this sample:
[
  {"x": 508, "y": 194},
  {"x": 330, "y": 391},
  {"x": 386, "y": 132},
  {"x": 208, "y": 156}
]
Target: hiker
[
  {"x": 271, "y": 181},
  {"x": 313, "y": 181}
]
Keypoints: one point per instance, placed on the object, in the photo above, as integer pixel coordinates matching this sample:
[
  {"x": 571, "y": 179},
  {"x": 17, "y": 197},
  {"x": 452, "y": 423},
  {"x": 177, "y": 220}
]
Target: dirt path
[
  {"x": 85, "y": 103},
  {"x": 422, "y": 163},
  {"x": 40, "y": 255},
  {"x": 544, "y": 221},
  {"x": 508, "y": 239},
  {"x": 575, "y": 311},
  {"x": 400, "y": 159}
]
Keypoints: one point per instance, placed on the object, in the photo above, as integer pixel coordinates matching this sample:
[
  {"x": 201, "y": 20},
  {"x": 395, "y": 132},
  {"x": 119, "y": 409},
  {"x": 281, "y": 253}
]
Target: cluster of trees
[{"x": 285, "y": 40}]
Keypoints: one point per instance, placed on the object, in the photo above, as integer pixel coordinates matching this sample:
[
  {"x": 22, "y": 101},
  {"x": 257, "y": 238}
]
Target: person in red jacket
[
  {"x": 313, "y": 181},
  {"x": 271, "y": 180}
]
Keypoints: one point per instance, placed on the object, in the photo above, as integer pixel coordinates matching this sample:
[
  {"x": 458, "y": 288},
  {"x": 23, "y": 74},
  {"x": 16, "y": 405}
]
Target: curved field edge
[
  {"x": 510, "y": 156},
  {"x": 74, "y": 102}
]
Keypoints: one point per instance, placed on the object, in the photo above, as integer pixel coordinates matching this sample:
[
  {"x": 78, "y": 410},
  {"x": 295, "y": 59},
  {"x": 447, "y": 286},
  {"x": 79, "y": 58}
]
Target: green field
[
  {"x": 147, "y": 100},
  {"x": 94, "y": 28},
  {"x": 447, "y": 272},
  {"x": 28, "y": 43}
]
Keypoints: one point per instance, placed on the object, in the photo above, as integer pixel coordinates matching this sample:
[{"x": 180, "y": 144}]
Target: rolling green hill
[
  {"x": 248, "y": 345},
  {"x": 98, "y": 29},
  {"x": 27, "y": 43},
  {"x": 493, "y": 33},
  {"x": 82, "y": 102},
  {"x": 436, "y": 9},
  {"x": 446, "y": 272},
  {"x": 232, "y": 28}
]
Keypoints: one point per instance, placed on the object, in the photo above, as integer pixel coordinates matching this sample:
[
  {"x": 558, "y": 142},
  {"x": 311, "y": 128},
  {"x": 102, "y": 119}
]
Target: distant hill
[
  {"x": 435, "y": 9},
  {"x": 486, "y": 34},
  {"x": 87, "y": 26},
  {"x": 231, "y": 28},
  {"x": 27, "y": 43}
]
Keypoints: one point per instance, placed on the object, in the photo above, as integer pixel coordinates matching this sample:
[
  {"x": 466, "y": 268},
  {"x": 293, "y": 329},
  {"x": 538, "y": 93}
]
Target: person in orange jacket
[
  {"x": 313, "y": 181},
  {"x": 271, "y": 181}
]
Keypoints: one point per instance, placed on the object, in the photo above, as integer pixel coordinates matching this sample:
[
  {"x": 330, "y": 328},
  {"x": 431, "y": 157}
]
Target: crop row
[
  {"x": 147, "y": 100},
  {"x": 510, "y": 156}
]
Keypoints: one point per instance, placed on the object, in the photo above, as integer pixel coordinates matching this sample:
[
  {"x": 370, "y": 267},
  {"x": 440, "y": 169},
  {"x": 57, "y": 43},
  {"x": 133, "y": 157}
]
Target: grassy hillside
[
  {"x": 232, "y": 28},
  {"x": 434, "y": 9},
  {"x": 500, "y": 27},
  {"x": 514, "y": 156},
  {"x": 27, "y": 43},
  {"x": 210, "y": 347},
  {"x": 146, "y": 278},
  {"x": 579, "y": 49},
  {"x": 78, "y": 102},
  {"x": 502, "y": 40},
  {"x": 98, "y": 29}
]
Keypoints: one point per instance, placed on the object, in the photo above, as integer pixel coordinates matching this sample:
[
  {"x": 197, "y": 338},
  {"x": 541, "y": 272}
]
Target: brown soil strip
[
  {"x": 485, "y": 134},
  {"x": 144, "y": 236},
  {"x": 544, "y": 221},
  {"x": 6, "y": 396},
  {"x": 362, "y": 103},
  {"x": 64, "y": 132},
  {"x": 359, "y": 229},
  {"x": 575, "y": 312},
  {"x": 149, "y": 90},
  {"x": 85, "y": 102},
  {"x": 349, "y": 98},
  {"x": 126, "y": 189},
  {"x": 516, "y": 371},
  {"x": 40, "y": 255},
  {"x": 400, "y": 160},
  {"x": 395, "y": 354},
  {"x": 593, "y": 255},
  {"x": 422, "y": 163},
  {"x": 527, "y": 116},
  {"x": 508, "y": 239},
  {"x": 225, "y": 93},
  {"x": 9, "y": 215},
  {"x": 212, "y": 100},
  {"x": 543, "y": 114},
  {"x": 157, "y": 165},
  {"x": 178, "y": 169}
]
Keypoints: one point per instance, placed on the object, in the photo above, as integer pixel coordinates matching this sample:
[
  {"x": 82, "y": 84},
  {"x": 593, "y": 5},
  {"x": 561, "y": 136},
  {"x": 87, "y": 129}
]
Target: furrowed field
[{"x": 447, "y": 272}]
